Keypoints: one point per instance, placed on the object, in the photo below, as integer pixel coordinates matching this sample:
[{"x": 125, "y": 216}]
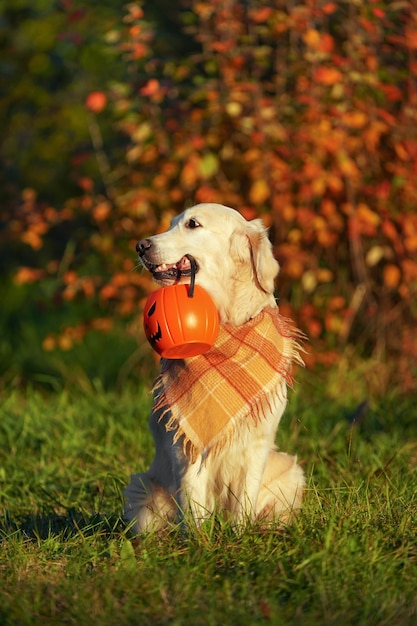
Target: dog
[{"x": 238, "y": 471}]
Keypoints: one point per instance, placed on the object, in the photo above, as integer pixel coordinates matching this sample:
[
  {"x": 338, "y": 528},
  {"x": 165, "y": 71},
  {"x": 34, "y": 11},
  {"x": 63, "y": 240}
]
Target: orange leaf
[
  {"x": 102, "y": 323},
  {"x": 409, "y": 269},
  {"x": 327, "y": 76},
  {"x": 120, "y": 279},
  {"x": 329, "y": 8},
  {"x": 372, "y": 134},
  {"x": 101, "y": 211},
  {"x": 389, "y": 230},
  {"x": 294, "y": 269},
  {"x": 366, "y": 215},
  {"x": 126, "y": 307},
  {"x": 411, "y": 38},
  {"x": 261, "y": 15},
  {"x": 88, "y": 287},
  {"x": 314, "y": 328},
  {"x": 69, "y": 293},
  {"x": 312, "y": 38},
  {"x": 135, "y": 12},
  {"x": 248, "y": 212},
  {"x": 287, "y": 213},
  {"x": 323, "y": 42},
  {"x": 108, "y": 291},
  {"x": 32, "y": 239},
  {"x": 151, "y": 88},
  {"x": 138, "y": 50},
  {"x": 333, "y": 322},
  {"x": 189, "y": 174},
  {"x": 326, "y": 43},
  {"x": 336, "y": 303},
  {"x": 347, "y": 166},
  {"x": 391, "y": 275},
  {"x": 409, "y": 224},
  {"x": 266, "y": 218},
  {"x": 176, "y": 195},
  {"x": 324, "y": 275},
  {"x": 204, "y": 10},
  {"x": 335, "y": 183},
  {"x": 401, "y": 152},
  {"x": 327, "y": 238},
  {"x": 65, "y": 342},
  {"x": 85, "y": 183},
  {"x": 222, "y": 47},
  {"x": 259, "y": 192},
  {"x": 49, "y": 343},
  {"x": 206, "y": 193},
  {"x": 410, "y": 243},
  {"x": 328, "y": 207},
  {"x": 355, "y": 119},
  {"x": 27, "y": 275},
  {"x": 70, "y": 277},
  {"x": 318, "y": 186}
]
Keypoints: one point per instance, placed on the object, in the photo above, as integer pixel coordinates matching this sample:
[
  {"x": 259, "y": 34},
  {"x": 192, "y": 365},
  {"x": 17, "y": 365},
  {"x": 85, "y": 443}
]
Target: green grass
[{"x": 67, "y": 558}]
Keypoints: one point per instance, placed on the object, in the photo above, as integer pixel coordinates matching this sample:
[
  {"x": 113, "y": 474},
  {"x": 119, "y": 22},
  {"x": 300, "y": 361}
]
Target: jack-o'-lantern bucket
[{"x": 180, "y": 321}]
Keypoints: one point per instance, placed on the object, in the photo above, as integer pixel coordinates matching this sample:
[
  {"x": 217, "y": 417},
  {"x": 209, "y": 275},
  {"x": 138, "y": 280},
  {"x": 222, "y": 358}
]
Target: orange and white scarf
[{"x": 207, "y": 397}]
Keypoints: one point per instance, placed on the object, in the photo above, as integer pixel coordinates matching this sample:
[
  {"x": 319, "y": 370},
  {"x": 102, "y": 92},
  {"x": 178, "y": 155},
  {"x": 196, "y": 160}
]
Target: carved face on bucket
[{"x": 151, "y": 324}]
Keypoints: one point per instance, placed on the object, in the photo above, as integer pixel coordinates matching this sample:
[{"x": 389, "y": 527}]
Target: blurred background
[{"x": 114, "y": 117}]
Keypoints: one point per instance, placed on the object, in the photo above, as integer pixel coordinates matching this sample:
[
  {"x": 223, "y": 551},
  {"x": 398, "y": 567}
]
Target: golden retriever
[{"x": 246, "y": 477}]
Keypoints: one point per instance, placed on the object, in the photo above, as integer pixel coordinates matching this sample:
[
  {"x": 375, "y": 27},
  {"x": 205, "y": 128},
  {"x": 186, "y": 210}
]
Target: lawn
[{"x": 67, "y": 558}]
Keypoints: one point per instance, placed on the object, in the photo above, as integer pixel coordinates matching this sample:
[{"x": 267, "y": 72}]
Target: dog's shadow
[{"x": 65, "y": 526}]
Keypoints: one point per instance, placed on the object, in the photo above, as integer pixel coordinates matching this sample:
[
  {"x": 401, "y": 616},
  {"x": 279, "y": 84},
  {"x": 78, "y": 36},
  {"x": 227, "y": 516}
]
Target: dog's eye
[{"x": 192, "y": 223}]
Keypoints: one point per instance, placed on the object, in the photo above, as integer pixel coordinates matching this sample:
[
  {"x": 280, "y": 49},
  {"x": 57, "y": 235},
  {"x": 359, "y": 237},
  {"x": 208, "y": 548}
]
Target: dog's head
[{"x": 231, "y": 257}]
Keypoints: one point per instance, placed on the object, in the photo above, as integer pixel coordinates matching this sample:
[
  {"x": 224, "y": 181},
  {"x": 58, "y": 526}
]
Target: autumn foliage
[{"x": 303, "y": 113}]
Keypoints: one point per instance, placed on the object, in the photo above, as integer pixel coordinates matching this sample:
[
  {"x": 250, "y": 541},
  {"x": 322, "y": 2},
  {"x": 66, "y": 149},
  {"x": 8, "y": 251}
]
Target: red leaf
[{"x": 96, "y": 101}]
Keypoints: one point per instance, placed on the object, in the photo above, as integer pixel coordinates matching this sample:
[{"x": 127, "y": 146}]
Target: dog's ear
[
  {"x": 265, "y": 265},
  {"x": 251, "y": 245}
]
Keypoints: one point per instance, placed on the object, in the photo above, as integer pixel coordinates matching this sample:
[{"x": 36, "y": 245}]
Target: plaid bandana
[{"x": 208, "y": 397}]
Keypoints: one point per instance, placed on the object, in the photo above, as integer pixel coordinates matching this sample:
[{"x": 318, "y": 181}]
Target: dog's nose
[{"x": 142, "y": 246}]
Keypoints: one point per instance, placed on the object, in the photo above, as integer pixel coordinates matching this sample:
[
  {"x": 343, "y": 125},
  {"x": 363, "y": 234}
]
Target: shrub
[{"x": 303, "y": 114}]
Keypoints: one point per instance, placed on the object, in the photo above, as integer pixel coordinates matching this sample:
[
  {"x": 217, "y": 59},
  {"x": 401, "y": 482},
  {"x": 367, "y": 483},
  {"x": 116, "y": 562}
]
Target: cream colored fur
[{"x": 248, "y": 478}]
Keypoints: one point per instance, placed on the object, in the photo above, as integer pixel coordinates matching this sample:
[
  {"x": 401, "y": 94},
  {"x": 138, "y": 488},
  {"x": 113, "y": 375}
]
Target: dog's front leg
[
  {"x": 253, "y": 460},
  {"x": 246, "y": 494},
  {"x": 218, "y": 485},
  {"x": 197, "y": 497}
]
